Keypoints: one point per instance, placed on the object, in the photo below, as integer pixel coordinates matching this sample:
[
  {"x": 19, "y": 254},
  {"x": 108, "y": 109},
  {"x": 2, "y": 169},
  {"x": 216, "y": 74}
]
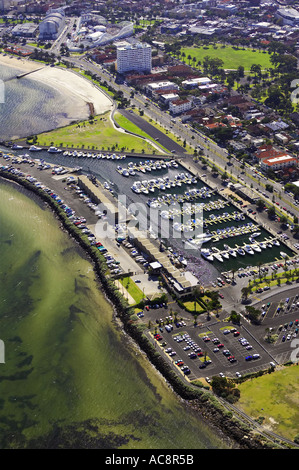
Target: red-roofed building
[
  {"x": 214, "y": 125},
  {"x": 266, "y": 151},
  {"x": 278, "y": 162}
]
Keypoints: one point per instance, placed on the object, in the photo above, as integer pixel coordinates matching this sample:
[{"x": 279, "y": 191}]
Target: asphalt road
[{"x": 153, "y": 132}]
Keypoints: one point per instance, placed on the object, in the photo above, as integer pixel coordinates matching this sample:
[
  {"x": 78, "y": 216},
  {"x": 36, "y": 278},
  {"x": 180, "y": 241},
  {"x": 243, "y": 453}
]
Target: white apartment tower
[{"x": 134, "y": 57}]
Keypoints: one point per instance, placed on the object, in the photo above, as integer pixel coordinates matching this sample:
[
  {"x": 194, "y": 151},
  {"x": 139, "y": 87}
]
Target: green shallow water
[{"x": 71, "y": 377}]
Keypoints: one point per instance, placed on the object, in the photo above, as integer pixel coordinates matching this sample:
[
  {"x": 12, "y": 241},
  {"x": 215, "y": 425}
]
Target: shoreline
[
  {"x": 75, "y": 89},
  {"x": 202, "y": 402}
]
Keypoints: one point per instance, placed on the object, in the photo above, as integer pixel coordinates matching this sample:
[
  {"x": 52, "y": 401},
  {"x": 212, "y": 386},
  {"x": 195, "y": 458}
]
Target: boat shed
[{"x": 115, "y": 213}]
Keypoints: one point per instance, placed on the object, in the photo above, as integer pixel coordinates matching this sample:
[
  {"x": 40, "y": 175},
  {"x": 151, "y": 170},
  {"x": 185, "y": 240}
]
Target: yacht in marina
[
  {"x": 240, "y": 251},
  {"x": 248, "y": 249},
  {"x": 218, "y": 257},
  {"x": 256, "y": 247},
  {"x": 54, "y": 150},
  {"x": 203, "y": 238},
  {"x": 217, "y": 254},
  {"x": 230, "y": 251},
  {"x": 225, "y": 254},
  {"x": 206, "y": 253},
  {"x": 16, "y": 147},
  {"x": 33, "y": 148}
]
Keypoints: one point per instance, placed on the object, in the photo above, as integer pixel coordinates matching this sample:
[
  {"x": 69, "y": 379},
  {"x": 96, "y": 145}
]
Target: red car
[
  {"x": 236, "y": 333},
  {"x": 200, "y": 354},
  {"x": 179, "y": 363},
  {"x": 147, "y": 307},
  {"x": 221, "y": 296},
  {"x": 220, "y": 345}
]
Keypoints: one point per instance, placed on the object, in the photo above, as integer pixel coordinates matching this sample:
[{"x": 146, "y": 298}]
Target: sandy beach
[{"x": 74, "y": 88}]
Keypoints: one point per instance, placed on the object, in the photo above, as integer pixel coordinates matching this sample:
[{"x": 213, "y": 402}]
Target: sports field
[
  {"x": 274, "y": 400},
  {"x": 231, "y": 56}
]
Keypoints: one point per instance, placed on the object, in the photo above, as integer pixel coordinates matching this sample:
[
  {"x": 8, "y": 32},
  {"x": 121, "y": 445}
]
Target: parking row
[{"x": 209, "y": 351}]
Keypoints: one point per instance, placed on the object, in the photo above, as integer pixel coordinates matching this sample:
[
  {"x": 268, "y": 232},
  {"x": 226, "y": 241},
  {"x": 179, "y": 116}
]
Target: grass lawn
[
  {"x": 231, "y": 57},
  {"x": 190, "y": 306},
  {"x": 132, "y": 288},
  {"x": 34, "y": 44},
  {"x": 268, "y": 281},
  {"x": 275, "y": 397},
  {"x": 130, "y": 126},
  {"x": 99, "y": 135}
]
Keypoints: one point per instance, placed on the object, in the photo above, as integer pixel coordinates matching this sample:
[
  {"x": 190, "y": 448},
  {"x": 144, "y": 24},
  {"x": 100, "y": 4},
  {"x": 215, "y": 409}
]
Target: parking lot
[{"x": 219, "y": 349}]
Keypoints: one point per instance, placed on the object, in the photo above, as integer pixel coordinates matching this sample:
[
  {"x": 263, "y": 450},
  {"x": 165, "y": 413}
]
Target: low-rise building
[
  {"x": 195, "y": 82},
  {"x": 158, "y": 86},
  {"x": 282, "y": 139},
  {"x": 278, "y": 162},
  {"x": 25, "y": 30},
  {"x": 180, "y": 106},
  {"x": 167, "y": 98}
]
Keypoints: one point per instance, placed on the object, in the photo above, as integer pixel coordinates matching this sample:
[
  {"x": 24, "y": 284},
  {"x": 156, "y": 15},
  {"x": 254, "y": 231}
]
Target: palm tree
[
  {"x": 259, "y": 266},
  {"x": 245, "y": 291}
]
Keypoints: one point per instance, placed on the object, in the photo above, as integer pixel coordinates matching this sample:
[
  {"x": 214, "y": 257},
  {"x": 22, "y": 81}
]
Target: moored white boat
[
  {"x": 256, "y": 247},
  {"x": 205, "y": 253},
  {"x": 248, "y": 249},
  {"x": 54, "y": 150}
]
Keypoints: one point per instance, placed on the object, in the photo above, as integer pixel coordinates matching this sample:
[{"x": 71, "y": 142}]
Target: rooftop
[{"x": 279, "y": 159}]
